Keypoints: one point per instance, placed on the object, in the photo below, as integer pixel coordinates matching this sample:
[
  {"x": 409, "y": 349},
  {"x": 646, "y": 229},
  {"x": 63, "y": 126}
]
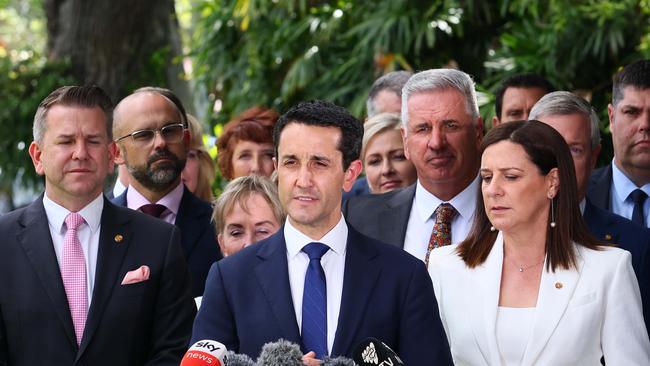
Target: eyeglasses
[{"x": 171, "y": 134}]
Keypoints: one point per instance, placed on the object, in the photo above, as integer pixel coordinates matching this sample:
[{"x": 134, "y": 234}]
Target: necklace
[{"x": 523, "y": 268}]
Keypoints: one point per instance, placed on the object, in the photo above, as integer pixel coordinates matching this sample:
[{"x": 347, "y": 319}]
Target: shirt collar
[
  {"x": 336, "y": 238},
  {"x": 56, "y": 214},
  {"x": 464, "y": 202},
  {"x": 172, "y": 200},
  {"x": 623, "y": 186}
]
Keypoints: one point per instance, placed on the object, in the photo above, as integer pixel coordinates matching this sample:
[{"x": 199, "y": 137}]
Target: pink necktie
[{"x": 73, "y": 272}]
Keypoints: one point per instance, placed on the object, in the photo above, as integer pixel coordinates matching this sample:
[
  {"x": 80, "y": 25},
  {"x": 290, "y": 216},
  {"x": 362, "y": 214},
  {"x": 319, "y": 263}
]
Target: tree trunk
[{"x": 119, "y": 45}]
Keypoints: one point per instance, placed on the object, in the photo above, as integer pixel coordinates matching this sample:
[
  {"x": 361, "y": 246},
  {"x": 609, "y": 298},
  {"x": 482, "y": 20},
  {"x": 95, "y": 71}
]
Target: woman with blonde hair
[{"x": 199, "y": 172}]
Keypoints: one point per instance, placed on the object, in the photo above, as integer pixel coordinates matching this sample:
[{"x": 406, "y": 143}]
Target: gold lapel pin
[
  {"x": 558, "y": 285},
  {"x": 608, "y": 237},
  {"x": 118, "y": 238}
]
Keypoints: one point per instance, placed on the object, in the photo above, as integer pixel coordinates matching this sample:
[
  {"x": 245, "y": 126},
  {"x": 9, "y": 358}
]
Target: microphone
[
  {"x": 373, "y": 352},
  {"x": 281, "y": 352},
  {"x": 204, "y": 353},
  {"x": 236, "y": 359},
  {"x": 338, "y": 361}
]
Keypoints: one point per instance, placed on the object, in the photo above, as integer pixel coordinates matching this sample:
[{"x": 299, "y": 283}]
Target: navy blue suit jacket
[
  {"x": 627, "y": 235},
  {"x": 145, "y": 323},
  {"x": 387, "y": 294},
  {"x": 600, "y": 184},
  {"x": 198, "y": 237}
]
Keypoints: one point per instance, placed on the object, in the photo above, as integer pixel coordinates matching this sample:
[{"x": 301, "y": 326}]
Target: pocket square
[{"x": 137, "y": 275}]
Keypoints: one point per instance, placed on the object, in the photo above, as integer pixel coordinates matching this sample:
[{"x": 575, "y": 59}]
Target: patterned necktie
[
  {"x": 73, "y": 272},
  {"x": 153, "y": 209},
  {"x": 441, "y": 233},
  {"x": 638, "y": 197},
  {"x": 314, "y": 302}
]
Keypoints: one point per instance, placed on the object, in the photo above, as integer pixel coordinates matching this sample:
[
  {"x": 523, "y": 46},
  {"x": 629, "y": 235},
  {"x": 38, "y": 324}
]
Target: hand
[{"x": 310, "y": 359}]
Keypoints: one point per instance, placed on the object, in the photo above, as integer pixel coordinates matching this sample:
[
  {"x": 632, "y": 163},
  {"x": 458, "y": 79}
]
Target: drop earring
[{"x": 552, "y": 214}]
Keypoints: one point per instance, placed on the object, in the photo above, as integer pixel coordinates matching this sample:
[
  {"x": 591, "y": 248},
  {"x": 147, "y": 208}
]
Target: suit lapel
[
  {"x": 273, "y": 275},
  {"x": 359, "y": 282},
  {"x": 555, "y": 291},
  {"x": 394, "y": 220},
  {"x": 36, "y": 241},
  {"x": 110, "y": 256},
  {"x": 488, "y": 280}
]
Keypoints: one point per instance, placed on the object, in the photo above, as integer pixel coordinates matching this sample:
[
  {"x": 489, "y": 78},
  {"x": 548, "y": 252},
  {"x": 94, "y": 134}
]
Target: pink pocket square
[{"x": 137, "y": 275}]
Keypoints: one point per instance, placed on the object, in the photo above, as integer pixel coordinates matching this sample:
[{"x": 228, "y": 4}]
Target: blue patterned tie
[
  {"x": 638, "y": 197},
  {"x": 314, "y": 302}
]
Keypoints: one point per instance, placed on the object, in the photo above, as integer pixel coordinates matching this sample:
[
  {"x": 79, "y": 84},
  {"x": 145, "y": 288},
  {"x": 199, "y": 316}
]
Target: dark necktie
[
  {"x": 638, "y": 197},
  {"x": 441, "y": 233},
  {"x": 314, "y": 302},
  {"x": 153, "y": 209}
]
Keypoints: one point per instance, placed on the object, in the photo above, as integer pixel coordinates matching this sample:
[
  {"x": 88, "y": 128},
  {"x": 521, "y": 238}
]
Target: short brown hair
[
  {"x": 235, "y": 131},
  {"x": 547, "y": 149},
  {"x": 87, "y": 96}
]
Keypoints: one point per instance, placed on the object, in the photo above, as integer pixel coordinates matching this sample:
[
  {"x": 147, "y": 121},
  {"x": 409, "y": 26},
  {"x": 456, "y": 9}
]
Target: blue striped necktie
[{"x": 314, "y": 302}]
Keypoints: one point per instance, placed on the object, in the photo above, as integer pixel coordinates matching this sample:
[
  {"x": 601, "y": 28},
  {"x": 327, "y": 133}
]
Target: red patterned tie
[
  {"x": 73, "y": 272},
  {"x": 441, "y": 233}
]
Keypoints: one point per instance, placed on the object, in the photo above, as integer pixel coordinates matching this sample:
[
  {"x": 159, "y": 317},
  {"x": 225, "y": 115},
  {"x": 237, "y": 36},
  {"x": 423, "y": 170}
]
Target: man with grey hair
[
  {"x": 623, "y": 186},
  {"x": 151, "y": 133},
  {"x": 577, "y": 122},
  {"x": 385, "y": 95},
  {"x": 442, "y": 131}
]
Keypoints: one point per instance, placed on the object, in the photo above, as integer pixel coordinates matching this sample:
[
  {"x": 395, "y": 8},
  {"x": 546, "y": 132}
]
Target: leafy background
[{"x": 241, "y": 53}]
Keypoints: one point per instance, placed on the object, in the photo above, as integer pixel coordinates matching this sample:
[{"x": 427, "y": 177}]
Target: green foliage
[
  {"x": 23, "y": 84},
  {"x": 279, "y": 52}
]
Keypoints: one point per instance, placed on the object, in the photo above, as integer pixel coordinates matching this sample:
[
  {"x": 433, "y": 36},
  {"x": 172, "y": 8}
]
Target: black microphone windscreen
[
  {"x": 374, "y": 352},
  {"x": 338, "y": 361},
  {"x": 280, "y": 353}
]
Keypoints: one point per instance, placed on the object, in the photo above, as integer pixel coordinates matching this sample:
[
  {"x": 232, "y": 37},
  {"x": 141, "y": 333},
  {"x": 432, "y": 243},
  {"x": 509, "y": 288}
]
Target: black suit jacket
[
  {"x": 198, "y": 237},
  {"x": 387, "y": 294},
  {"x": 146, "y": 323},
  {"x": 383, "y": 217}
]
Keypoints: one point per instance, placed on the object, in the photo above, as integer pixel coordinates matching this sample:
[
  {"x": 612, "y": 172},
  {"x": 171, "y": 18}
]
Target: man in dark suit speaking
[
  {"x": 317, "y": 281},
  {"x": 79, "y": 282}
]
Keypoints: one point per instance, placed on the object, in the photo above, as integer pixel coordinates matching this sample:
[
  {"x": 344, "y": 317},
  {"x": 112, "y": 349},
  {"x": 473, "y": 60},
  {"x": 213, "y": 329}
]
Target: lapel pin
[
  {"x": 118, "y": 238},
  {"x": 558, "y": 285},
  {"x": 608, "y": 237}
]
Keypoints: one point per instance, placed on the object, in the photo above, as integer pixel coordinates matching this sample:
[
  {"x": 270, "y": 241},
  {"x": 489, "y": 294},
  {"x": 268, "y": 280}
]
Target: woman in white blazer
[{"x": 530, "y": 285}]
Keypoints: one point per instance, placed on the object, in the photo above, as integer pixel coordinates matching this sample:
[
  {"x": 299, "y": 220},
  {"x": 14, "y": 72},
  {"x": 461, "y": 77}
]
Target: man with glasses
[
  {"x": 83, "y": 281},
  {"x": 151, "y": 133}
]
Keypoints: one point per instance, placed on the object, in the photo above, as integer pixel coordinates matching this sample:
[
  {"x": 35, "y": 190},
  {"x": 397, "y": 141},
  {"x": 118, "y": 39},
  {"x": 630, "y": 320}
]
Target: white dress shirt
[
  {"x": 621, "y": 202},
  {"x": 333, "y": 263},
  {"x": 88, "y": 234},
  {"x": 421, "y": 219}
]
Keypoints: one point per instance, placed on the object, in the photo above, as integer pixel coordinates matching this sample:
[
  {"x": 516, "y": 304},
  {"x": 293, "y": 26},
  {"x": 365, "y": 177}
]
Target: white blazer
[{"x": 580, "y": 315}]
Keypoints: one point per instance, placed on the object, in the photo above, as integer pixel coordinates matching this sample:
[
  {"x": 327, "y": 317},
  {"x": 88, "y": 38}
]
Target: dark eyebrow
[
  {"x": 502, "y": 169},
  {"x": 319, "y": 158},
  {"x": 230, "y": 226}
]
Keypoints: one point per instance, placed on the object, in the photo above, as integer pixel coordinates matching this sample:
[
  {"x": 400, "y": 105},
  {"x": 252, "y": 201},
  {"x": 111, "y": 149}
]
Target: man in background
[
  {"x": 442, "y": 132},
  {"x": 151, "y": 133},
  {"x": 623, "y": 186},
  {"x": 517, "y": 95}
]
